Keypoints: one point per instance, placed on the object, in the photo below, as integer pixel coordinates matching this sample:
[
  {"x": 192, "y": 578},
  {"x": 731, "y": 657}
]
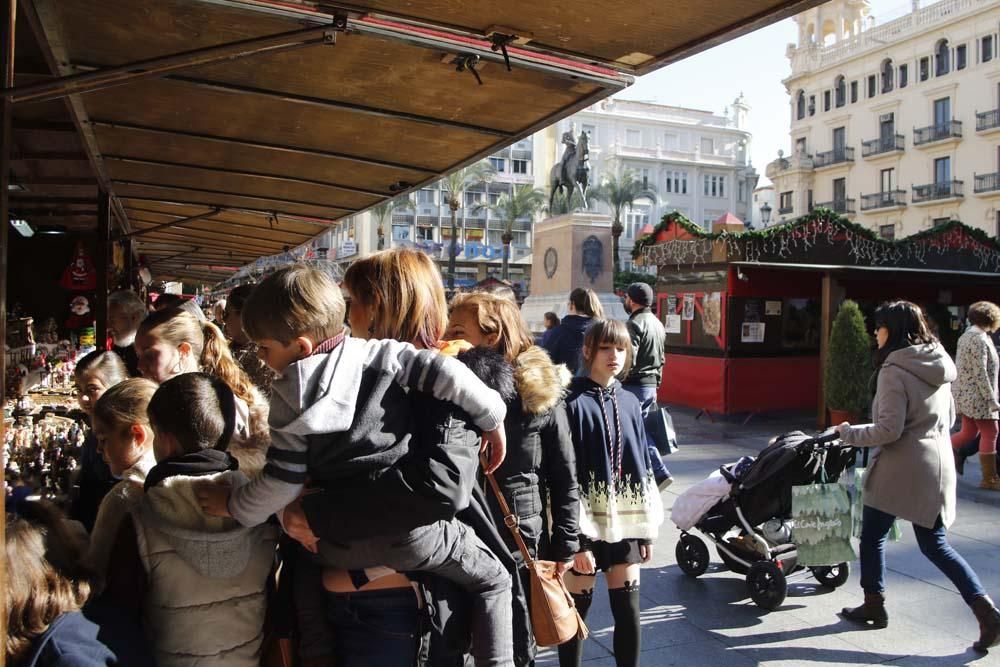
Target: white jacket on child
[
  {"x": 691, "y": 505},
  {"x": 206, "y": 596}
]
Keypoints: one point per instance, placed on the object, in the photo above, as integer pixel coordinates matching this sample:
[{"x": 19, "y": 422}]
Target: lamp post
[{"x": 765, "y": 214}]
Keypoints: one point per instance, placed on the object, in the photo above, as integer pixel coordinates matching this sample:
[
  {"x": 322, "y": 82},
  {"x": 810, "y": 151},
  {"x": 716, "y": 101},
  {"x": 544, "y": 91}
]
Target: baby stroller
[{"x": 751, "y": 527}]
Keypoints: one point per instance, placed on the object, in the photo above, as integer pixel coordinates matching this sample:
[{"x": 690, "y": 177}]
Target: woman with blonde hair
[
  {"x": 125, "y": 440},
  {"x": 173, "y": 341},
  {"x": 540, "y": 465},
  {"x": 47, "y": 583},
  {"x": 975, "y": 390}
]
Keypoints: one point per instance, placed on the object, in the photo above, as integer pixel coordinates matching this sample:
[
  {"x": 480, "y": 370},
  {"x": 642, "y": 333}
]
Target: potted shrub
[{"x": 848, "y": 366}]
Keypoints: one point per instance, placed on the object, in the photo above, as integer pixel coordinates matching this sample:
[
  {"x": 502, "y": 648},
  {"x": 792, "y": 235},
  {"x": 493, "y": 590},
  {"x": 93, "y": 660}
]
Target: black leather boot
[
  {"x": 989, "y": 623},
  {"x": 873, "y": 610}
]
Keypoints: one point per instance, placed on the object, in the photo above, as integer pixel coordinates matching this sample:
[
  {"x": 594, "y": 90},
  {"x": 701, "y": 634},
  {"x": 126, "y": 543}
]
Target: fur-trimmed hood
[
  {"x": 252, "y": 436},
  {"x": 540, "y": 383}
]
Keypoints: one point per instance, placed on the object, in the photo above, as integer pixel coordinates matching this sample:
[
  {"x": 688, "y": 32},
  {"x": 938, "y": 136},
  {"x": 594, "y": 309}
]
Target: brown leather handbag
[{"x": 554, "y": 618}]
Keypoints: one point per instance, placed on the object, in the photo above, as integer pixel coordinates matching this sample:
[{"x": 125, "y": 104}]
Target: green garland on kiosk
[{"x": 819, "y": 226}]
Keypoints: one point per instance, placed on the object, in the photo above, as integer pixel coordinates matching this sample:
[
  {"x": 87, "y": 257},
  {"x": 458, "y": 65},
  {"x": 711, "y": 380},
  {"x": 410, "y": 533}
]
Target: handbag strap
[{"x": 509, "y": 518}]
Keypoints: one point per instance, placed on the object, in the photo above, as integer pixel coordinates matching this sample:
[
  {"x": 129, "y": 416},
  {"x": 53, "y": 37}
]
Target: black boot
[
  {"x": 872, "y": 610},
  {"x": 571, "y": 653},
  {"x": 959, "y": 461},
  {"x": 989, "y": 623}
]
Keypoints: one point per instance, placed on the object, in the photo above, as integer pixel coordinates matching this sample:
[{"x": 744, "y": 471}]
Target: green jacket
[{"x": 648, "y": 344}]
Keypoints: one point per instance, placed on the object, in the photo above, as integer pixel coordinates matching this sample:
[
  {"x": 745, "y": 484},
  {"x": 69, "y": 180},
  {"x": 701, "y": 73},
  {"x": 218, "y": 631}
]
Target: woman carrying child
[
  {"x": 621, "y": 510},
  {"x": 173, "y": 341},
  {"x": 540, "y": 466}
]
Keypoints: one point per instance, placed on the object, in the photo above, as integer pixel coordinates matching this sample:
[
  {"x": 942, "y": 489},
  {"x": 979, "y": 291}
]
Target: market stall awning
[{"x": 227, "y": 130}]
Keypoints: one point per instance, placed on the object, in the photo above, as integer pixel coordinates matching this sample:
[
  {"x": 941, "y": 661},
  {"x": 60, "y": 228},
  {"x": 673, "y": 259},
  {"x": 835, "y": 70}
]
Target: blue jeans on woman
[
  {"x": 933, "y": 543},
  {"x": 648, "y": 403},
  {"x": 374, "y": 628}
]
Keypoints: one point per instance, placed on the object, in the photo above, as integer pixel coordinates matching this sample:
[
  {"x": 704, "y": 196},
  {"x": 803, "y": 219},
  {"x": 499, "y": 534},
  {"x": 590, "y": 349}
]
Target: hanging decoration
[
  {"x": 825, "y": 238},
  {"x": 80, "y": 275}
]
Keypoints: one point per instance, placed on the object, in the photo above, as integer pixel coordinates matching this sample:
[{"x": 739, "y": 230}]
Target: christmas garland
[{"x": 821, "y": 226}]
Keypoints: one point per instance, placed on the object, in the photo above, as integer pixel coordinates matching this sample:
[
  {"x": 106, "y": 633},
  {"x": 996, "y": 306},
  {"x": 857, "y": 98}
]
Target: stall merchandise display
[{"x": 43, "y": 453}]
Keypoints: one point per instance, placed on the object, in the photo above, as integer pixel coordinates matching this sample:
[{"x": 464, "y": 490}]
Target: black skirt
[{"x": 607, "y": 554}]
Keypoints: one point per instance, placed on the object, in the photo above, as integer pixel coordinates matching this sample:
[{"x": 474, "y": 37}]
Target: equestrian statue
[{"x": 572, "y": 173}]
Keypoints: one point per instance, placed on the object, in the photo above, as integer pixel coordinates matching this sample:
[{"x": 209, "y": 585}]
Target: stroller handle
[{"x": 827, "y": 436}]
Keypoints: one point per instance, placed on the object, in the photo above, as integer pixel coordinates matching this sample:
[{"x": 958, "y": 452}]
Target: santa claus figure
[{"x": 80, "y": 275}]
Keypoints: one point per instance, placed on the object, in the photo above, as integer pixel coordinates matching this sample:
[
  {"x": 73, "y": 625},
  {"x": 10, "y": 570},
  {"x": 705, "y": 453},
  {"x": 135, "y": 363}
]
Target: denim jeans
[
  {"x": 374, "y": 629},
  {"x": 875, "y": 526},
  {"x": 647, "y": 401},
  {"x": 452, "y": 550}
]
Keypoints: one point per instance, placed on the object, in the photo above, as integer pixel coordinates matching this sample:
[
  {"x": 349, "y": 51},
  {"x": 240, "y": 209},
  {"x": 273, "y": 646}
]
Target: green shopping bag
[
  {"x": 895, "y": 534},
  {"x": 821, "y": 516}
]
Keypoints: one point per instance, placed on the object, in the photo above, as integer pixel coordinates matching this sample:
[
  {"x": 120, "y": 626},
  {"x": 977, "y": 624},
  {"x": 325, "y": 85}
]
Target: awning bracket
[
  {"x": 499, "y": 43},
  {"x": 467, "y": 63}
]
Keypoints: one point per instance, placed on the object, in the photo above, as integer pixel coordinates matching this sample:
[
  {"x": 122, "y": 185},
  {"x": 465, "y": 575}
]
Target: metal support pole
[
  {"x": 6, "y": 143},
  {"x": 103, "y": 241},
  {"x": 826, "y": 321}
]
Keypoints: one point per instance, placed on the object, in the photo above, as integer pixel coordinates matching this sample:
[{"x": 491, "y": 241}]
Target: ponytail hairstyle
[
  {"x": 585, "y": 302},
  {"x": 125, "y": 404},
  {"x": 498, "y": 316},
  {"x": 610, "y": 332},
  {"x": 208, "y": 344}
]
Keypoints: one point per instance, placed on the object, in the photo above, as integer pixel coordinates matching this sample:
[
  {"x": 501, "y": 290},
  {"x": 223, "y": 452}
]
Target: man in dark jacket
[{"x": 648, "y": 345}]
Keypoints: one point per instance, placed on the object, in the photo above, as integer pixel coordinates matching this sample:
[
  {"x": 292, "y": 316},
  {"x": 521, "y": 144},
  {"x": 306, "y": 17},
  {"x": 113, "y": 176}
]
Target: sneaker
[{"x": 664, "y": 482}]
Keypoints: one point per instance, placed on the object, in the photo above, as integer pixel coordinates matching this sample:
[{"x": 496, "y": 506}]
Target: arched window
[
  {"x": 800, "y": 105},
  {"x": 943, "y": 56},
  {"x": 840, "y": 91},
  {"x": 888, "y": 76}
]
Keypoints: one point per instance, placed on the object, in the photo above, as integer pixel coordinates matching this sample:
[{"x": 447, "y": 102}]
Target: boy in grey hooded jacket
[{"x": 337, "y": 413}]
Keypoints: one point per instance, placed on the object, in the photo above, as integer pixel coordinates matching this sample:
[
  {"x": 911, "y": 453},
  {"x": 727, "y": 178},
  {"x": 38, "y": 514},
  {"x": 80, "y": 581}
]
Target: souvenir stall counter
[{"x": 747, "y": 313}]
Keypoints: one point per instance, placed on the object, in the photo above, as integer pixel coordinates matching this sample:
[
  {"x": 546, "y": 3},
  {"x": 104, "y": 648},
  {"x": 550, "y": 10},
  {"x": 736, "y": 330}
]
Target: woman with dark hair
[
  {"x": 975, "y": 390},
  {"x": 912, "y": 414},
  {"x": 565, "y": 341},
  {"x": 243, "y": 349}
]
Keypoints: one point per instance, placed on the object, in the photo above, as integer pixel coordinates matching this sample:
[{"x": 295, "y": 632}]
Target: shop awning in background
[{"x": 273, "y": 120}]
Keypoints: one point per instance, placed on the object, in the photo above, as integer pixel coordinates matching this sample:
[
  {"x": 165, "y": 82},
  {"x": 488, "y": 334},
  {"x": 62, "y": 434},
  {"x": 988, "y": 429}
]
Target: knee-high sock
[
  {"x": 571, "y": 653},
  {"x": 625, "y": 609}
]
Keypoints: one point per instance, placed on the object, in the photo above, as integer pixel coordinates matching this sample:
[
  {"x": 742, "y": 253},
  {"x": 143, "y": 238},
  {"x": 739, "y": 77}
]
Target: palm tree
[
  {"x": 454, "y": 186},
  {"x": 620, "y": 194},
  {"x": 384, "y": 210},
  {"x": 523, "y": 202}
]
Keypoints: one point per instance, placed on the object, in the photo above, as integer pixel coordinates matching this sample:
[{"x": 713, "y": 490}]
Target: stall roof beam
[
  {"x": 240, "y": 235},
  {"x": 263, "y": 145},
  {"x": 226, "y": 242},
  {"x": 117, "y": 75},
  {"x": 26, "y": 125},
  {"x": 173, "y": 223},
  {"x": 225, "y": 193},
  {"x": 55, "y": 156},
  {"x": 250, "y": 174},
  {"x": 308, "y": 220},
  {"x": 220, "y": 221}
]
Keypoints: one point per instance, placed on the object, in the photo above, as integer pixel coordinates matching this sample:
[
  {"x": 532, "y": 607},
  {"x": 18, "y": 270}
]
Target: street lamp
[{"x": 765, "y": 214}]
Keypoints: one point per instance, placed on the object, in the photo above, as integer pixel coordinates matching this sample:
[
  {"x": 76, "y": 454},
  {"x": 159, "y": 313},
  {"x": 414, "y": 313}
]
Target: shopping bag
[
  {"x": 821, "y": 516},
  {"x": 858, "y": 502},
  {"x": 660, "y": 429}
]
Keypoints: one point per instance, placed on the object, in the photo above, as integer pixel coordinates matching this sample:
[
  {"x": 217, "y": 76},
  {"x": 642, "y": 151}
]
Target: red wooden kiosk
[{"x": 748, "y": 312}]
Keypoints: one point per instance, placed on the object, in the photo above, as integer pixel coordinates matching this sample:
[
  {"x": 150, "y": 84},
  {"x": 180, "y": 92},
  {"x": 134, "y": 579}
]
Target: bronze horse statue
[{"x": 572, "y": 172}]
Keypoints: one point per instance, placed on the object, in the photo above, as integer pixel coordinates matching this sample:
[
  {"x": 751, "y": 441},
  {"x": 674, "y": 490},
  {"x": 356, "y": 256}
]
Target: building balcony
[
  {"x": 883, "y": 146},
  {"x": 843, "y": 206},
  {"x": 988, "y": 121},
  {"x": 932, "y": 192},
  {"x": 987, "y": 183},
  {"x": 836, "y": 156},
  {"x": 879, "y": 200},
  {"x": 940, "y": 132},
  {"x": 785, "y": 210}
]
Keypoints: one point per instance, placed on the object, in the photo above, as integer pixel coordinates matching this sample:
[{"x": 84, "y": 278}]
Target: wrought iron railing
[
  {"x": 836, "y": 156},
  {"x": 883, "y": 200},
  {"x": 838, "y": 205},
  {"x": 889, "y": 144},
  {"x": 987, "y": 120},
  {"x": 987, "y": 182},
  {"x": 933, "y": 191},
  {"x": 937, "y": 132}
]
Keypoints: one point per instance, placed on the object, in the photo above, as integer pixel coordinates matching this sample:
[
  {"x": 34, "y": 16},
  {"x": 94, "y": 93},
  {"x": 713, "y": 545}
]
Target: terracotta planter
[{"x": 841, "y": 416}]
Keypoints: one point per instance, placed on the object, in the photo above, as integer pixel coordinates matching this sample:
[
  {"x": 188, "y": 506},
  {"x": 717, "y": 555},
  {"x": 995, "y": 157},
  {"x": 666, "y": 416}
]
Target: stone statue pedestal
[{"x": 570, "y": 251}]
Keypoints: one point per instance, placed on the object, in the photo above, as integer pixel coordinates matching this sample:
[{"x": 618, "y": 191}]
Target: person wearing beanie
[{"x": 649, "y": 340}]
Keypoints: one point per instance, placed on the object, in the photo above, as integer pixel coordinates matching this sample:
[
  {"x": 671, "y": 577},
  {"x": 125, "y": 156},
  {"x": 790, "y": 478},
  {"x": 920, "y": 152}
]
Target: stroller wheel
[
  {"x": 767, "y": 584},
  {"x": 832, "y": 576},
  {"x": 692, "y": 555}
]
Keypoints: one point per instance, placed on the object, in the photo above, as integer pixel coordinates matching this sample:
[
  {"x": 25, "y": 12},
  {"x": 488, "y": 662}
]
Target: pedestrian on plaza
[
  {"x": 912, "y": 415},
  {"x": 245, "y": 350},
  {"x": 975, "y": 390},
  {"x": 621, "y": 509},
  {"x": 539, "y": 470},
  {"x": 649, "y": 340},
  {"x": 565, "y": 341},
  {"x": 171, "y": 342},
  {"x": 551, "y": 320},
  {"x": 125, "y": 312},
  {"x": 94, "y": 374}
]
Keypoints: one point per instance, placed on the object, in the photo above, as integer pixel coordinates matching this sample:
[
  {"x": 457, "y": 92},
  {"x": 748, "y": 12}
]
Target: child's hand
[
  {"x": 646, "y": 552},
  {"x": 584, "y": 562},
  {"x": 295, "y": 523},
  {"x": 497, "y": 442},
  {"x": 213, "y": 498}
]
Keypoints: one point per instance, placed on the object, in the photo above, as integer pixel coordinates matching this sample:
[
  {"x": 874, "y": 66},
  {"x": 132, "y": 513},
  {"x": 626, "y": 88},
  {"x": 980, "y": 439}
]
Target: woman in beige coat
[{"x": 912, "y": 474}]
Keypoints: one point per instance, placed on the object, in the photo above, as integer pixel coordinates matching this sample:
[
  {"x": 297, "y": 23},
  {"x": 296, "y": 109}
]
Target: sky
[{"x": 754, "y": 64}]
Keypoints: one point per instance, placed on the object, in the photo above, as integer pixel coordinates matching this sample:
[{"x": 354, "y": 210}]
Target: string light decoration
[{"x": 823, "y": 237}]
